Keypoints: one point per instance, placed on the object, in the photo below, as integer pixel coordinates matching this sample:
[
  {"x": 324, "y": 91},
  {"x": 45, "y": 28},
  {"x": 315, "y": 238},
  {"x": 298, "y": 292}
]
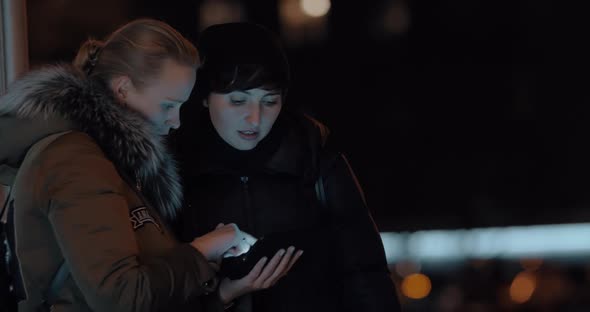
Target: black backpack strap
[
  {"x": 320, "y": 191},
  {"x": 16, "y": 281},
  {"x": 322, "y": 157},
  {"x": 5, "y": 205},
  {"x": 326, "y": 161},
  {"x": 62, "y": 273},
  {"x": 56, "y": 285},
  {"x": 57, "y": 282}
]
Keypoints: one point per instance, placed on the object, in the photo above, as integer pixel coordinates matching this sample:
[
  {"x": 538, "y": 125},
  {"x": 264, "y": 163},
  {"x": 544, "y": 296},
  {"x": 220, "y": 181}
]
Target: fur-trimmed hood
[{"x": 59, "y": 98}]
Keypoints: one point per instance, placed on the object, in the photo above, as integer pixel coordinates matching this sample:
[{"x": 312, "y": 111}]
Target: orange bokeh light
[{"x": 416, "y": 286}]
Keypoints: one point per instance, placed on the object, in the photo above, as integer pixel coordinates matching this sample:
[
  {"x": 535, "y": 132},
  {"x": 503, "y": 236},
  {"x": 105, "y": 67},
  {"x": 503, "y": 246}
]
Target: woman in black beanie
[{"x": 247, "y": 157}]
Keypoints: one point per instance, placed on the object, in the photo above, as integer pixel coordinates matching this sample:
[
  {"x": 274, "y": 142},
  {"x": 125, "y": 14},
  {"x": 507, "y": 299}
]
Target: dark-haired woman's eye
[
  {"x": 270, "y": 101},
  {"x": 238, "y": 101}
]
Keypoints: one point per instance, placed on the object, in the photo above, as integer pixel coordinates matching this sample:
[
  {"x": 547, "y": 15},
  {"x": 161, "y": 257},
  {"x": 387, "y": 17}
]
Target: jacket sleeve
[
  {"x": 368, "y": 286},
  {"x": 90, "y": 219}
]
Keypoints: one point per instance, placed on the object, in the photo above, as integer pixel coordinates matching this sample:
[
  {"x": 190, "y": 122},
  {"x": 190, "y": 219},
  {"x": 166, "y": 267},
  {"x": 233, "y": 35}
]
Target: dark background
[
  {"x": 454, "y": 114},
  {"x": 475, "y": 114}
]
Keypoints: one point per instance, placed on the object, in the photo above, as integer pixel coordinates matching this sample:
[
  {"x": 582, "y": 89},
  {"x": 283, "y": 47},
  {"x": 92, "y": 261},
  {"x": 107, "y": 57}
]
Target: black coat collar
[{"x": 287, "y": 151}]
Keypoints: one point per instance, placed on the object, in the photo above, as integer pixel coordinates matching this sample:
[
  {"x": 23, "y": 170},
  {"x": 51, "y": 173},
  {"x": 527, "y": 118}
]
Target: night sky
[{"x": 475, "y": 114}]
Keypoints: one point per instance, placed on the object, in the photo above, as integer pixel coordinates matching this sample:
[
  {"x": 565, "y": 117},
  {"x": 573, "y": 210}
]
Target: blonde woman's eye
[{"x": 167, "y": 106}]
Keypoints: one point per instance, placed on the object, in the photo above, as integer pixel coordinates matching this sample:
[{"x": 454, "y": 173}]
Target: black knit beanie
[{"x": 240, "y": 56}]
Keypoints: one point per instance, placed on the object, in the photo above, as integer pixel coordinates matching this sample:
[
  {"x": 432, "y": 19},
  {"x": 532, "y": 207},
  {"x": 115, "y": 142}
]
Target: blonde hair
[{"x": 137, "y": 50}]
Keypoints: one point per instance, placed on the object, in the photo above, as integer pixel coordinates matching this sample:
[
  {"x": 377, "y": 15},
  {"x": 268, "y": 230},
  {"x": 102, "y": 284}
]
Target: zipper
[{"x": 248, "y": 214}]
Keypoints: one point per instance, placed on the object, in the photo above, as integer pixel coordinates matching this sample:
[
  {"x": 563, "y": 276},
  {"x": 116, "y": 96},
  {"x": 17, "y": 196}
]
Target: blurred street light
[
  {"x": 220, "y": 11},
  {"x": 301, "y": 21},
  {"x": 522, "y": 287},
  {"x": 416, "y": 286},
  {"x": 315, "y": 8}
]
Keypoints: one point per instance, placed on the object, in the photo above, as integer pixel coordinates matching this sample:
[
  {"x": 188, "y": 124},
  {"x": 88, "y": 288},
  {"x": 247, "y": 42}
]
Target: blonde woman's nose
[{"x": 174, "y": 120}]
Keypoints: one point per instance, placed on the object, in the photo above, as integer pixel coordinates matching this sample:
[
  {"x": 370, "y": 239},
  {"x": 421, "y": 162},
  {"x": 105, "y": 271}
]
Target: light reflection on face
[
  {"x": 244, "y": 118},
  {"x": 160, "y": 101}
]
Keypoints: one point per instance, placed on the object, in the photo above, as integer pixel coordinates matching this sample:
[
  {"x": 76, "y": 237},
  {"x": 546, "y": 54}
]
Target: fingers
[
  {"x": 240, "y": 241},
  {"x": 235, "y": 251},
  {"x": 251, "y": 240},
  {"x": 229, "y": 253},
  {"x": 269, "y": 269},
  {"x": 242, "y": 247},
  {"x": 281, "y": 267},
  {"x": 230, "y": 289},
  {"x": 237, "y": 232},
  {"x": 293, "y": 260},
  {"x": 266, "y": 273},
  {"x": 256, "y": 270}
]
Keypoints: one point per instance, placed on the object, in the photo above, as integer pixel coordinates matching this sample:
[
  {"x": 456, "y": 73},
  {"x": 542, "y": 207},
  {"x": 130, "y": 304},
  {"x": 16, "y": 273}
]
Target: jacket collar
[
  {"x": 59, "y": 98},
  {"x": 301, "y": 139}
]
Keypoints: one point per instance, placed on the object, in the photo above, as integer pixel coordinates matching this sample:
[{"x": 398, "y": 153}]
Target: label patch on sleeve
[{"x": 141, "y": 216}]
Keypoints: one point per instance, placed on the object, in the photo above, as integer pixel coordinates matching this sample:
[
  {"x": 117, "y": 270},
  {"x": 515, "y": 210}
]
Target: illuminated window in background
[
  {"x": 220, "y": 11},
  {"x": 303, "y": 20},
  {"x": 405, "y": 268}
]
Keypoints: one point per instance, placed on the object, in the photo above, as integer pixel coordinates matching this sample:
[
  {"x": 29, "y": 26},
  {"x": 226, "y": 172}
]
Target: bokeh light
[
  {"x": 315, "y": 8},
  {"x": 416, "y": 286},
  {"x": 522, "y": 287}
]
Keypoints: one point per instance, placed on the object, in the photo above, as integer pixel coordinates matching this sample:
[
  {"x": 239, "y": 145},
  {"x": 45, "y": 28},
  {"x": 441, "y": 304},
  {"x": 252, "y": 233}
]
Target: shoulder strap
[
  {"x": 5, "y": 205},
  {"x": 320, "y": 191},
  {"x": 325, "y": 164},
  {"x": 56, "y": 285},
  {"x": 322, "y": 158},
  {"x": 62, "y": 273},
  {"x": 39, "y": 144}
]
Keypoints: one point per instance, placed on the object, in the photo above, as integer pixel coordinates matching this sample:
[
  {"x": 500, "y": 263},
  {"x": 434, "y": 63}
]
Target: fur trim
[{"x": 126, "y": 138}]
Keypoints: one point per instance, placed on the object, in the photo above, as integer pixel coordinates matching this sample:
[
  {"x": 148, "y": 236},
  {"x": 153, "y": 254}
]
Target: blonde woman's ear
[{"x": 120, "y": 86}]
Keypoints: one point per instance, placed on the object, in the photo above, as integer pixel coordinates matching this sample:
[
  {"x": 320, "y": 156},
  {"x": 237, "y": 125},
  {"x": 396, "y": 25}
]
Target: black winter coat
[{"x": 343, "y": 267}]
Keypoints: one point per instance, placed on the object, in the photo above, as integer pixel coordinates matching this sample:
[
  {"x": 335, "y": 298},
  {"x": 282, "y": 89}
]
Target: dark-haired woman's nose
[{"x": 253, "y": 117}]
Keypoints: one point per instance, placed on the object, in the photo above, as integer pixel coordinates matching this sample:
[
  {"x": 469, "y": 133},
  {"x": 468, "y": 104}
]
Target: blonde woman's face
[
  {"x": 160, "y": 100},
  {"x": 244, "y": 118}
]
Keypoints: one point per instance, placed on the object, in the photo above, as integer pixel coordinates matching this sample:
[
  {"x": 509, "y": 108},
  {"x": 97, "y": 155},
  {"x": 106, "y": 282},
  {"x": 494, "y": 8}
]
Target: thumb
[{"x": 232, "y": 252}]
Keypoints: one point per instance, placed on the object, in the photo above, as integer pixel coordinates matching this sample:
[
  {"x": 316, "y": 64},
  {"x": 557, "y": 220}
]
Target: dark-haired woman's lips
[{"x": 248, "y": 135}]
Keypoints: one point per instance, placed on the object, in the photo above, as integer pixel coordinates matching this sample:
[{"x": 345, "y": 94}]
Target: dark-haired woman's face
[{"x": 244, "y": 118}]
